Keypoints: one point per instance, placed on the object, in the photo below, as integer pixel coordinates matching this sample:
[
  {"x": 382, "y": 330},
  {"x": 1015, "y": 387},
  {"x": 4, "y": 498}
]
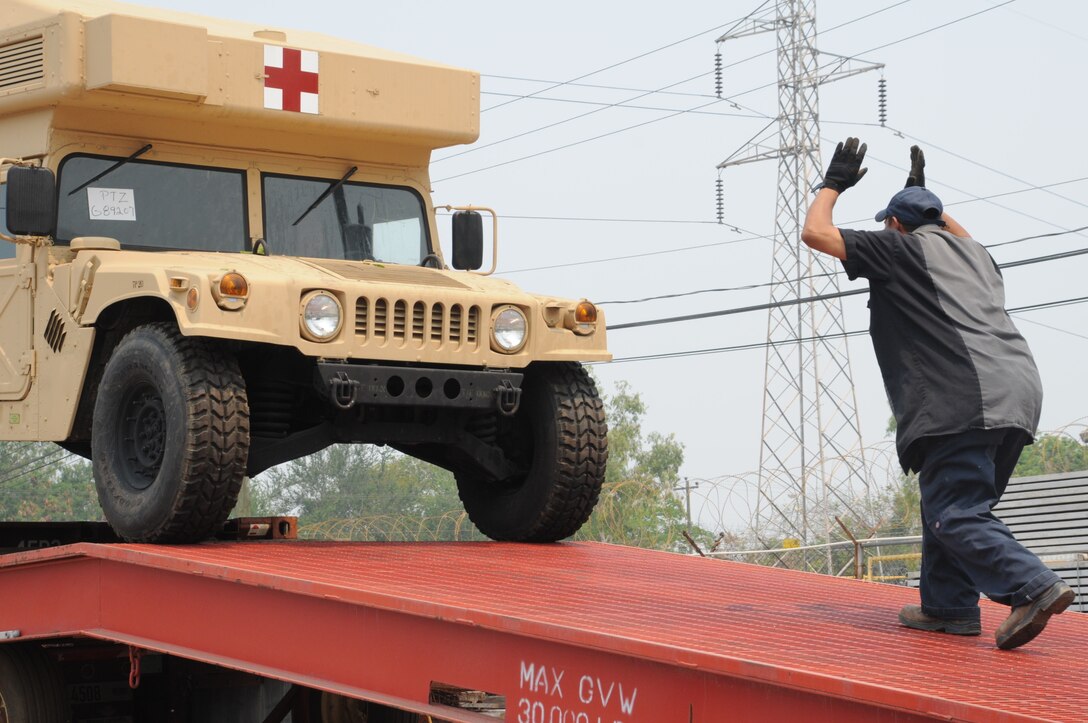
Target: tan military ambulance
[{"x": 220, "y": 253}]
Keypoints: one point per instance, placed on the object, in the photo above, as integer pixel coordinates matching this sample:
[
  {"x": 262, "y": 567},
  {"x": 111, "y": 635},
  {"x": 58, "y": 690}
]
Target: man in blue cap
[{"x": 965, "y": 393}]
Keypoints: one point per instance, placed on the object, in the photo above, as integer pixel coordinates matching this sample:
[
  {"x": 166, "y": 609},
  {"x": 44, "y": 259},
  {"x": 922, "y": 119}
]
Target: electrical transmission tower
[{"x": 811, "y": 461}]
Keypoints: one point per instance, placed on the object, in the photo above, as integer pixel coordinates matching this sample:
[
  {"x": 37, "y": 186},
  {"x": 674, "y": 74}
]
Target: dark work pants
[{"x": 965, "y": 548}]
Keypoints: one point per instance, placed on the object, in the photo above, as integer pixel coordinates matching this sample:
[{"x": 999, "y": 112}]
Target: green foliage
[
  {"x": 901, "y": 507},
  {"x": 39, "y": 481},
  {"x": 892, "y": 510},
  {"x": 371, "y": 493},
  {"x": 1052, "y": 454},
  {"x": 638, "y": 504},
  {"x": 363, "y": 492}
]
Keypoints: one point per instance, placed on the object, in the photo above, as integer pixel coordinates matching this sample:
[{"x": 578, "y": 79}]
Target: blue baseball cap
[{"x": 914, "y": 206}]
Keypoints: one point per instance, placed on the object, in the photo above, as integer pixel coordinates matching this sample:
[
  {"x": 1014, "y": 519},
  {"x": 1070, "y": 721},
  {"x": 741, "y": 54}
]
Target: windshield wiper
[
  {"x": 325, "y": 194},
  {"x": 111, "y": 169}
]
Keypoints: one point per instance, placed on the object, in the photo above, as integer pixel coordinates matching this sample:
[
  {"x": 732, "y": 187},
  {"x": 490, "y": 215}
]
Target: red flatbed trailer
[{"x": 566, "y": 633}]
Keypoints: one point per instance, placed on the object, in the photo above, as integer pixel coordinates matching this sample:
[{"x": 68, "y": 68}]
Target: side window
[{"x": 7, "y": 248}]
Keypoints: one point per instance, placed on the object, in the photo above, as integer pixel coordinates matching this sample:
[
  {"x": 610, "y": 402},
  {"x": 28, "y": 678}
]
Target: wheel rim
[
  {"x": 3, "y": 710},
  {"x": 143, "y": 436}
]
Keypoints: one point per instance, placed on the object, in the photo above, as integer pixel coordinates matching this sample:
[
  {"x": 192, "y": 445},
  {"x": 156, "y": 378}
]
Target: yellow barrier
[{"x": 883, "y": 558}]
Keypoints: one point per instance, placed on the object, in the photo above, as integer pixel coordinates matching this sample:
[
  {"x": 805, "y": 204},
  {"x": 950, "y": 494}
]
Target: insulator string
[
  {"x": 882, "y": 100},
  {"x": 718, "y": 74},
  {"x": 720, "y": 192}
]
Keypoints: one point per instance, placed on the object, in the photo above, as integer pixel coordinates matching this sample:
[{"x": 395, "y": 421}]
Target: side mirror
[
  {"x": 468, "y": 240},
  {"x": 32, "y": 201}
]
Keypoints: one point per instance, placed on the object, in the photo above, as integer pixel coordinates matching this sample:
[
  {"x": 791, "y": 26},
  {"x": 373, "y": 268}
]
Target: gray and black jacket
[{"x": 951, "y": 358}]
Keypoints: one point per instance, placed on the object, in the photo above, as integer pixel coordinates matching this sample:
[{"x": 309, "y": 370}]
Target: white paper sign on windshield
[{"x": 111, "y": 204}]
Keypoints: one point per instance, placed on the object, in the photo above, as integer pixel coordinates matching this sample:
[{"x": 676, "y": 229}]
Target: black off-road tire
[
  {"x": 560, "y": 436},
  {"x": 171, "y": 436},
  {"x": 31, "y": 686}
]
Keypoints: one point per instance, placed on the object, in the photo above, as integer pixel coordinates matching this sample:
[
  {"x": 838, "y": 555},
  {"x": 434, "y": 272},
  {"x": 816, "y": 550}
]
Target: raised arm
[
  {"x": 953, "y": 227},
  {"x": 917, "y": 177},
  {"x": 820, "y": 232}
]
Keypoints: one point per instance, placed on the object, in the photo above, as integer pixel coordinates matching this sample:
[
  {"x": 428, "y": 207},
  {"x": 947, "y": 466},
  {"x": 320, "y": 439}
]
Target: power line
[
  {"x": 1040, "y": 259},
  {"x": 818, "y": 276},
  {"x": 581, "y": 219},
  {"x": 981, "y": 198},
  {"x": 725, "y": 349},
  {"x": 738, "y": 310},
  {"x": 809, "y": 299},
  {"x": 53, "y": 462},
  {"x": 595, "y": 86},
  {"x": 935, "y": 28},
  {"x": 637, "y": 57},
  {"x": 1049, "y": 25},
  {"x": 756, "y": 236},
  {"x": 1038, "y": 236},
  {"x": 838, "y": 335},
  {"x": 928, "y": 144},
  {"x": 1053, "y": 328},
  {"x": 578, "y": 143},
  {"x": 605, "y": 106},
  {"x": 1048, "y": 305},
  {"x": 620, "y": 104},
  {"x": 671, "y": 115},
  {"x": 557, "y": 83},
  {"x": 682, "y": 294},
  {"x": 628, "y": 106},
  {"x": 625, "y": 257},
  {"x": 27, "y": 463}
]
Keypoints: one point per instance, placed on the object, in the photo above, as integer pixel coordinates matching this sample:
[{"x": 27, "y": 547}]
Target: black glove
[
  {"x": 845, "y": 168},
  {"x": 917, "y": 175}
]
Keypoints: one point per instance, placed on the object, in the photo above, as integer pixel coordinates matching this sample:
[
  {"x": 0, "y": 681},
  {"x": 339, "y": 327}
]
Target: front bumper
[{"x": 346, "y": 385}]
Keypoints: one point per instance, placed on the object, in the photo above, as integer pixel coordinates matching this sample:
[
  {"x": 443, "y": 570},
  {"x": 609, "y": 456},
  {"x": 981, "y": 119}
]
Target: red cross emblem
[{"x": 290, "y": 79}]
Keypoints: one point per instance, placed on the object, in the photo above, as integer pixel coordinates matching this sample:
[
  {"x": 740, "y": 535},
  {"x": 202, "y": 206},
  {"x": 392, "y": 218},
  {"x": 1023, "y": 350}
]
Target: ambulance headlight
[
  {"x": 321, "y": 316},
  {"x": 509, "y": 329}
]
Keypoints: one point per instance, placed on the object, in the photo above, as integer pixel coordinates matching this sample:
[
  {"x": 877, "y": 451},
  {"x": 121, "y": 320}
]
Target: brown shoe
[
  {"x": 912, "y": 617},
  {"x": 1027, "y": 621}
]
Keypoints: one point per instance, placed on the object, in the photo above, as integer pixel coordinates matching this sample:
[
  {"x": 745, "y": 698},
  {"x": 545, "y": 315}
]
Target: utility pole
[
  {"x": 811, "y": 459},
  {"x": 687, "y": 487}
]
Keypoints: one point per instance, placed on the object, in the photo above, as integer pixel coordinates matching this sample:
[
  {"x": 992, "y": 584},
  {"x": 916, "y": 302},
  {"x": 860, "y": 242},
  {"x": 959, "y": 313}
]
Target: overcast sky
[{"x": 993, "y": 91}]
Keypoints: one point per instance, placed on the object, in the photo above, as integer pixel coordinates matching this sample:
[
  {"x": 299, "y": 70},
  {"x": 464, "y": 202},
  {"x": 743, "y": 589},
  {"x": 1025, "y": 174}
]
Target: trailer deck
[{"x": 578, "y": 632}]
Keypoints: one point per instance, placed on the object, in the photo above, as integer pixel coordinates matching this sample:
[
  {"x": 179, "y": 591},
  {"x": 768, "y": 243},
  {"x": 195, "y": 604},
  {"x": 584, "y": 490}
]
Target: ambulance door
[{"x": 16, "y": 312}]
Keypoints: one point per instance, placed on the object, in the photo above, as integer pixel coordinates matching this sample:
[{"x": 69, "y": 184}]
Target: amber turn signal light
[
  {"x": 233, "y": 284},
  {"x": 585, "y": 313}
]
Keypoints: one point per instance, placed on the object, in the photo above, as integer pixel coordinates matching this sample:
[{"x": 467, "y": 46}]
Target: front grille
[
  {"x": 417, "y": 323},
  {"x": 22, "y": 63}
]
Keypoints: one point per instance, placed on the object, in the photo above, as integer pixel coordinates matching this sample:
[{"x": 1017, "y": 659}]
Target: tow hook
[
  {"x": 507, "y": 398},
  {"x": 342, "y": 390}
]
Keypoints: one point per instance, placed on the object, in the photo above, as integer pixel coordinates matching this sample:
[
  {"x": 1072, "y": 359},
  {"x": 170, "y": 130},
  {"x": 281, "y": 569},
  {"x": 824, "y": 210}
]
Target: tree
[
  {"x": 1052, "y": 454},
  {"x": 353, "y": 491},
  {"x": 894, "y": 509},
  {"x": 39, "y": 481},
  {"x": 364, "y": 492},
  {"x": 637, "y": 505}
]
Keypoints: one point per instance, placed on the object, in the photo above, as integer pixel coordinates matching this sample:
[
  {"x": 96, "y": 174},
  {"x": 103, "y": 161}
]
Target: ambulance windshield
[
  {"x": 356, "y": 221},
  {"x": 150, "y": 205}
]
